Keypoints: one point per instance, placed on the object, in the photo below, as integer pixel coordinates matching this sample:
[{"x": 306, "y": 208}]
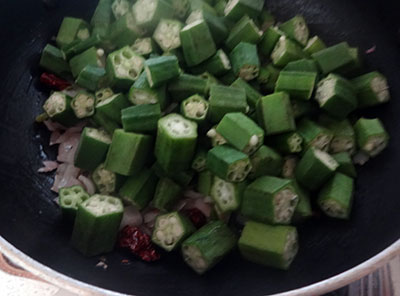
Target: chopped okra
[
  {"x": 58, "y": 108},
  {"x": 167, "y": 34},
  {"x": 195, "y": 108},
  {"x": 106, "y": 182},
  {"x": 372, "y": 89},
  {"x": 70, "y": 198},
  {"x": 227, "y": 196},
  {"x": 371, "y": 136},
  {"x": 83, "y": 104}
]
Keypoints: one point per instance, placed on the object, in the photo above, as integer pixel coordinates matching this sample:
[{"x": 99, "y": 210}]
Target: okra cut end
[
  {"x": 297, "y": 29},
  {"x": 274, "y": 246},
  {"x": 100, "y": 205},
  {"x": 195, "y": 108},
  {"x": 371, "y": 136},
  {"x": 104, "y": 180},
  {"x": 194, "y": 258},
  {"x": 83, "y": 105},
  {"x": 225, "y": 195},
  {"x": 71, "y": 197},
  {"x": 167, "y": 34},
  {"x": 178, "y": 127},
  {"x": 170, "y": 230}
]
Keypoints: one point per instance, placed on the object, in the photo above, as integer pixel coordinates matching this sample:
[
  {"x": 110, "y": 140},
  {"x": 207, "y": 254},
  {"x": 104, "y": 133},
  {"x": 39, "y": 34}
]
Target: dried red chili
[
  {"x": 139, "y": 243},
  {"x": 196, "y": 216},
  {"x": 54, "y": 82}
]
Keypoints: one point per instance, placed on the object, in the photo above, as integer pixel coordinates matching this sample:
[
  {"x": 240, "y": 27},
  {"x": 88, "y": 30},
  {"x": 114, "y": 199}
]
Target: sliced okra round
[
  {"x": 227, "y": 196},
  {"x": 58, "y": 108},
  {"x": 181, "y": 8},
  {"x": 148, "y": 13},
  {"x": 204, "y": 183},
  {"x": 346, "y": 165},
  {"x": 70, "y": 198},
  {"x": 92, "y": 78},
  {"x": 83, "y": 104},
  {"x": 144, "y": 46},
  {"x": 120, "y": 8},
  {"x": 195, "y": 108},
  {"x": 106, "y": 182},
  {"x": 142, "y": 94},
  {"x": 334, "y": 58},
  {"x": 170, "y": 230},
  {"x": 104, "y": 93},
  {"x": 90, "y": 57},
  {"x": 287, "y": 143},
  {"x": 72, "y": 29},
  {"x": 141, "y": 118},
  {"x": 269, "y": 40},
  {"x": 199, "y": 160},
  {"x": 167, "y": 34}
]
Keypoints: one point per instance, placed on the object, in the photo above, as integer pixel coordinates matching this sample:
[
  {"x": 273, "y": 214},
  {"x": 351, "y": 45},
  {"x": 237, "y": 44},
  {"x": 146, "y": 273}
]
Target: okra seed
[
  {"x": 212, "y": 133},
  {"x": 254, "y": 140},
  {"x": 100, "y": 52}
]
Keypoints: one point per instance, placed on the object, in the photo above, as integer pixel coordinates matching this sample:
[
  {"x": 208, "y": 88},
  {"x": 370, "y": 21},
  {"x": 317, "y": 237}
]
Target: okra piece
[
  {"x": 176, "y": 143},
  {"x": 344, "y": 139},
  {"x": 187, "y": 85},
  {"x": 124, "y": 31},
  {"x": 53, "y": 60},
  {"x": 181, "y": 8},
  {"x": 148, "y": 13},
  {"x": 183, "y": 178},
  {"x": 120, "y": 8},
  {"x": 299, "y": 85},
  {"x": 235, "y": 9},
  {"x": 111, "y": 107},
  {"x": 104, "y": 93},
  {"x": 128, "y": 152},
  {"x": 224, "y": 100},
  {"x": 83, "y": 104},
  {"x": 106, "y": 181},
  {"x": 275, "y": 114},
  {"x": 315, "y": 168},
  {"x": 252, "y": 94},
  {"x": 167, "y": 34},
  {"x": 219, "y": 7},
  {"x": 142, "y": 94},
  {"x": 273, "y": 246},
  {"x": 372, "y": 89},
  {"x": 216, "y": 138},
  {"x": 270, "y": 200},
  {"x": 141, "y": 118},
  {"x": 303, "y": 108},
  {"x": 346, "y": 165},
  {"x": 204, "y": 183},
  {"x": 207, "y": 246},
  {"x": 228, "y": 163},
  {"x": 296, "y": 29},
  {"x": 272, "y": 74},
  {"x": 227, "y": 196},
  {"x": 241, "y": 132},
  {"x": 195, "y": 108},
  {"x": 287, "y": 143},
  {"x": 202, "y": 4},
  {"x": 265, "y": 162},
  {"x": 166, "y": 195},
  {"x": 102, "y": 18},
  {"x": 96, "y": 225},
  {"x": 69, "y": 199},
  {"x": 228, "y": 78},
  {"x": 58, "y": 108},
  {"x": 371, "y": 136},
  {"x": 245, "y": 61},
  {"x": 314, "y": 44},
  {"x": 211, "y": 80},
  {"x": 314, "y": 135},
  {"x": 197, "y": 43},
  {"x": 217, "y": 26},
  {"x": 336, "y": 96},
  {"x": 336, "y": 197},
  {"x": 286, "y": 51},
  {"x": 124, "y": 67},
  {"x": 266, "y": 20},
  {"x": 138, "y": 190},
  {"x": 72, "y": 29},
  {"x": 144, "y": 46},
  {"x": 355, "y": 66},
  {"x": 219, "y": 64},
  {"x": 79, "y": 46},
  {"x": 101, "y": 120},
  {"x": 90, "y": 57},
  {"x": 303, "y": 210},
  {"x": 303, "y": 65},
  {"x": 200, "y": 160},
  {"x": 170, "y": 230},
  {"x": 92, "y": 78},
  {"x": 243, "y": 31},
  {"x": 334, "y": 58},
  {"x": 92, "y": 149},
  {"x": 289, "y": 166},
  {"x": 269, "y": 40},
  {"x": 160, "y": 70}
]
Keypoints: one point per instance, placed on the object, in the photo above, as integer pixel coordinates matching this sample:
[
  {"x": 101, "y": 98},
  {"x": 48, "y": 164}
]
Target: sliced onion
[
  {"x": 66, "y": 176},
  {"x": 48, "y": 166},
  {"x": 53, "y": 126},
  {"x": 87, "y": 184},
  {"x": 55, "y": 138},
  {"x": 132, "y": 217},
  {"x": 150, "y": 215},
  {"x": 67, "y": 149}
]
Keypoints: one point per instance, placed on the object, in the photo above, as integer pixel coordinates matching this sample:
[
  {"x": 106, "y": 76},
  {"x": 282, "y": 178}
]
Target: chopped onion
[
  {"x": 48, "y": 166},
  {"x": 87, "y": 184},
  {"x": 132, "y": 217}
]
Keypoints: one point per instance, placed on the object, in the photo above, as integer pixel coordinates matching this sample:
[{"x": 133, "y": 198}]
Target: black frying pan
[{"x": 31, "y": 221}]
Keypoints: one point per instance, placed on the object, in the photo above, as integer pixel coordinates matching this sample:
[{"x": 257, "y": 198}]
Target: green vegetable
[
  {"x": 245, "y": 30},
  {"x": 167, "y": 33},
  {"x": 166, "y": 195},
  {"x": 92, "y": 149},
  {"x": 77, "y": 47},
  {"x": 102, "y": 18},
  {"x": 344, "y": 139},
  {"x": 303, "y": 210},
  {"x": 287, "y": 143},
  {"x": 274, "y": 246},
  {"x": 141, "y": 118},
  {"x": 124, "y": 31},
  {"x": 72, "y": 29},
  {"x": 207, "y": 246},
  {"x": 96, "y": 225},
  {"x": 218, "y": 65},
  {"x": 53, "y": 60},
  {"x": 371, "y": 136},
  {"x": 303, "y": 65},
  {"x": 138, "y": 190},
  {"x": 314, "y": 45},
  {"x": 299, "y": 85},
  {"x": 245, "y": 61},
  {"x": 296, "y": 29},
  {"x": 170, "y": 230},
  {"x": 92, "y": 78},
  {"x": 265, "y": 162},
  {"x": 271, "y": 73},
  {"x": 161, "y": 69},
  {"x": 372, "y": 89},
  {"x": 225, "y": 100},
  {"x": 58, "y": 108},
  {"x": 181, "y": 7},
  {"x": 106, "y": 181},
  {"x": 334, "y": 58},
  {"x": 336, "y": 197},
  {"x": 286, "y": 51},
  {"x": 314, "y": 135},
  {"x": 128, "y": 152},
  {"x": 195, "y": 108},
  {"x": 90, "y": 57},
  {"x": 227, "y": 196},
  {"x": 235, "y": 9},
  {"x": 112, "y": 106},
  {"x": 144, "y": 46},
  {"x": 315, "y": 168},
  {"x": 187, "y": 85},
  {"x": 266, "y": 20},
  {"x": 142, "y": 94},
  {"x": 228, "y": 163},
  {"x": 269, "y": 40},
  {"x": 148, "y": 13},
  {"x": 252, "y": 94},
  {"x": 346, "y": 165},
  {"x": 120, "y": 8},
  {"x": 289, "y": 166},
  {"x": 275, "y": 114},
  {"x": 176, "y": 143},
  {"x": 197, "y": 43},
  {"x": 69, "y": 199},
  {"x": 241, "y": 132},
  {"x": 204, "y": 183},
  {"x": 199, "y": 160}
]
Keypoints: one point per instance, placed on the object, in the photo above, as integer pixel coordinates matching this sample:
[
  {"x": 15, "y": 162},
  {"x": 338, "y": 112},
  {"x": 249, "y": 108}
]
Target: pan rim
[{"x": 80, "y": 288}]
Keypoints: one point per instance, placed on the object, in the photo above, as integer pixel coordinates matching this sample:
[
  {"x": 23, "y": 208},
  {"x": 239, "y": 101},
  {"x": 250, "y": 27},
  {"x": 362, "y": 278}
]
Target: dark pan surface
[{"x": 31, "y": 221}]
